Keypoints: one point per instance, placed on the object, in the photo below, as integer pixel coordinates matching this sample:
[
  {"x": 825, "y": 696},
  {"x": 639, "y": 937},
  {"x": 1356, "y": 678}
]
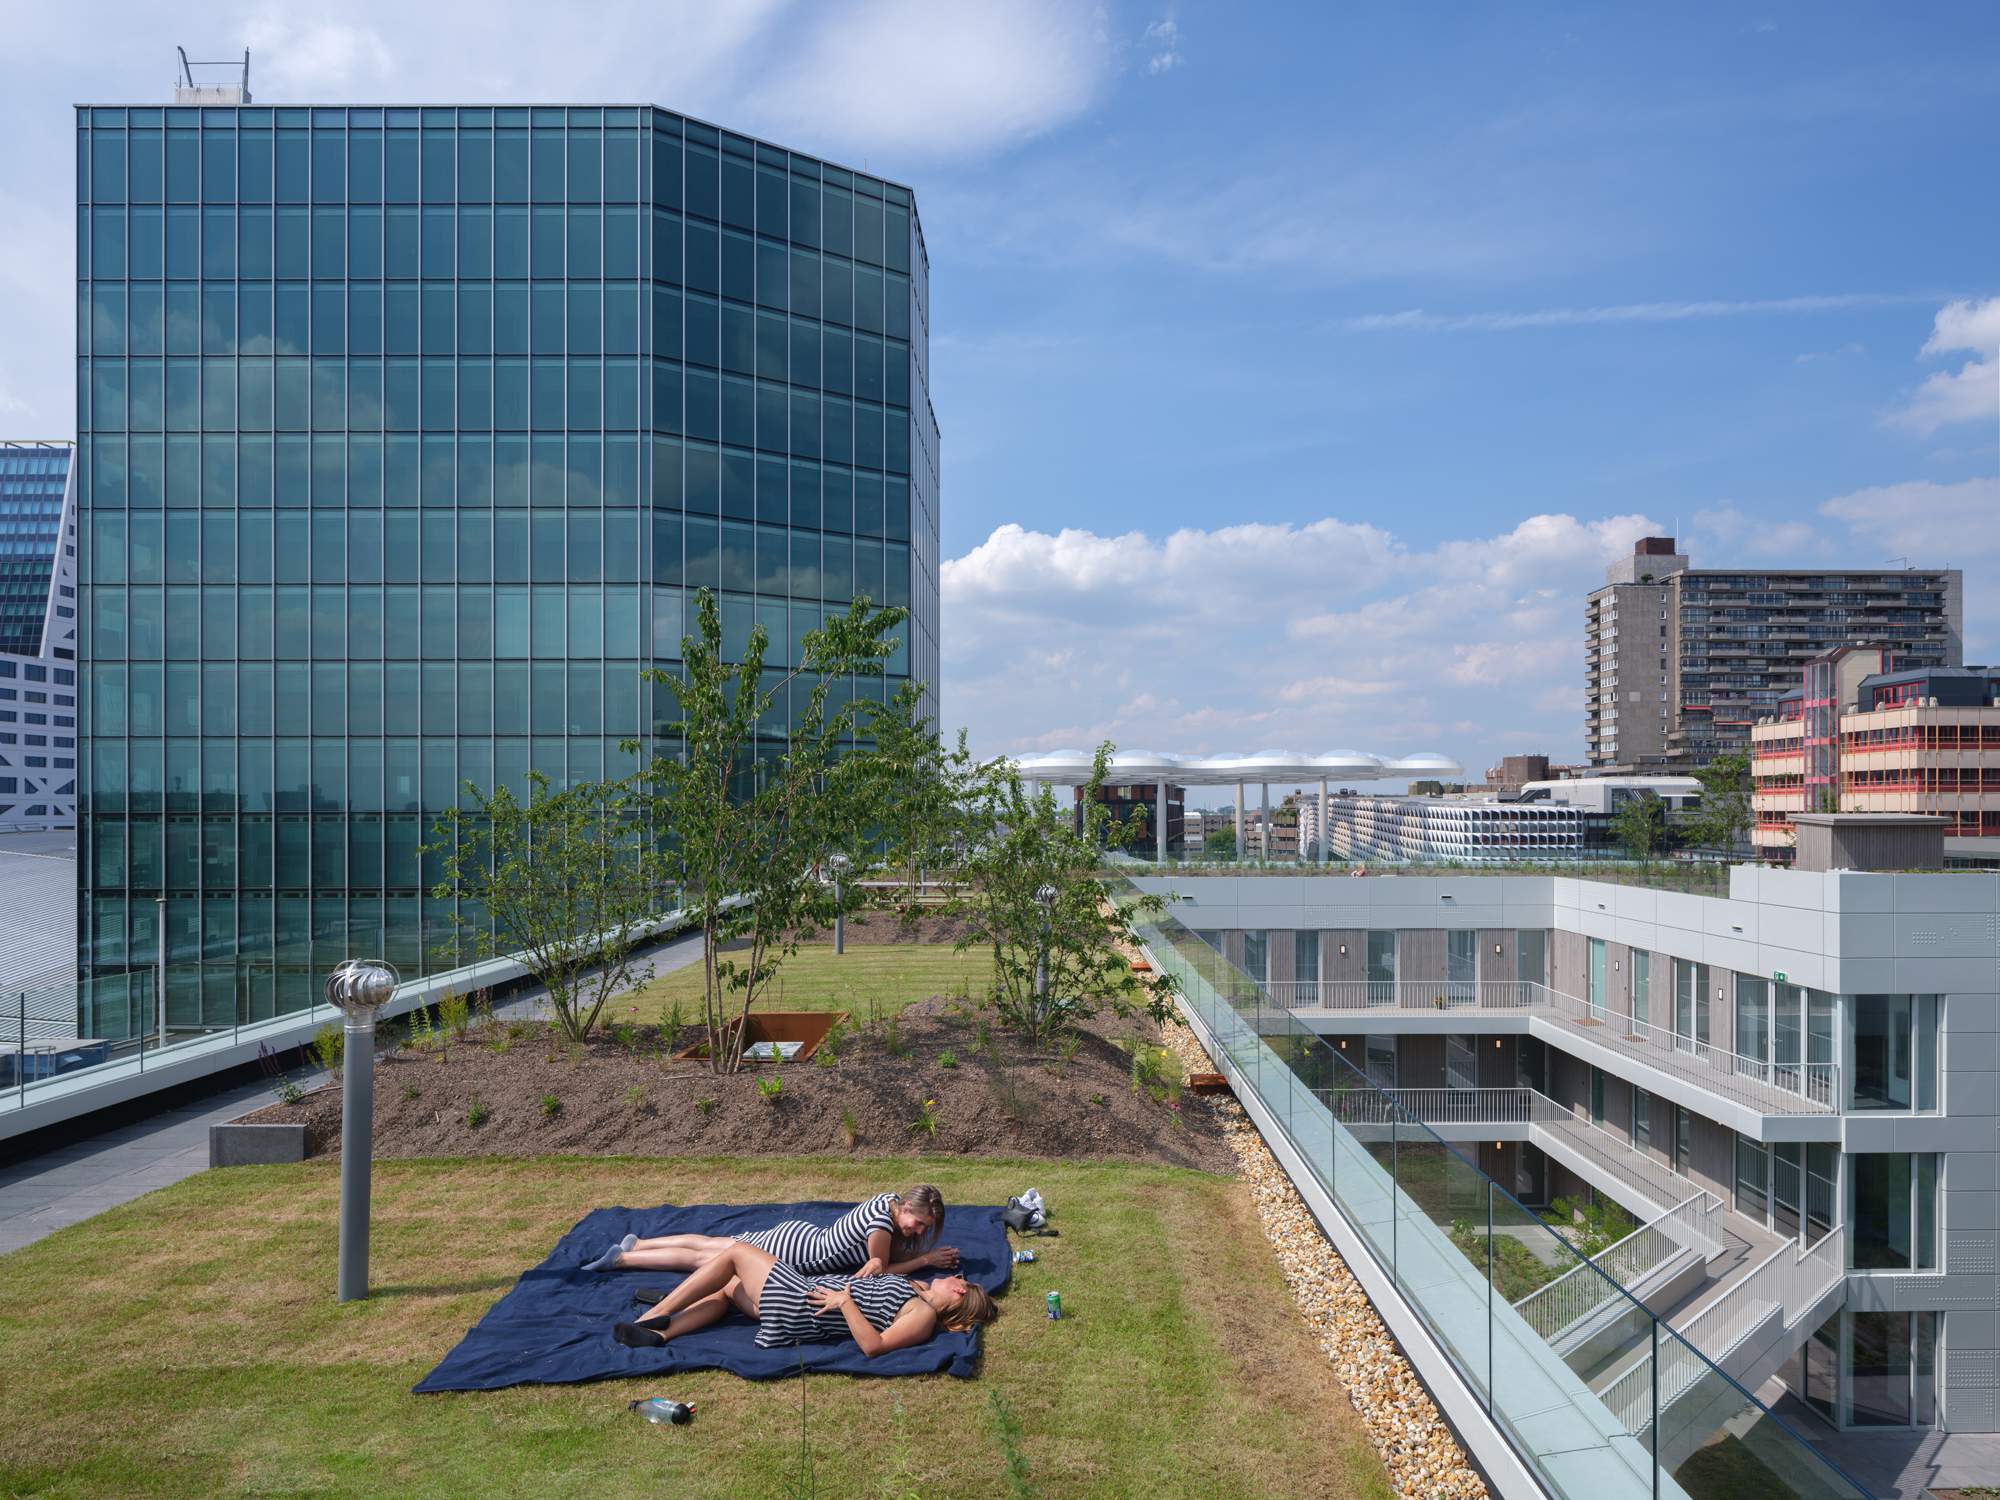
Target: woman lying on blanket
[
  {"x": 879, "y": 1313},
  {"x": 860, "y": 1240}
]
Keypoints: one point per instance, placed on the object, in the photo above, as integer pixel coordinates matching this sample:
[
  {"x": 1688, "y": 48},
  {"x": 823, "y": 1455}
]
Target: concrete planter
[{"x": 239, "y": 1145}]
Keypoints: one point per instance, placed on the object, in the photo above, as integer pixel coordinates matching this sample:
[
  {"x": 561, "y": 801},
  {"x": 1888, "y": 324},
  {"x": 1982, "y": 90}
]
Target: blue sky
[{"x": 1299, "y": 367}]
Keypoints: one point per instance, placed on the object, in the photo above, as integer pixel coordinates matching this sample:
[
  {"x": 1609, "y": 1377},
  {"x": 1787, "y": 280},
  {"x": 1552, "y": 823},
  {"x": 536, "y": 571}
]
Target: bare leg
[
  {"x": 700, "y": 1314},
  {"x": 742, "y": 1261},
  {"x": 673, "y": 1252}
]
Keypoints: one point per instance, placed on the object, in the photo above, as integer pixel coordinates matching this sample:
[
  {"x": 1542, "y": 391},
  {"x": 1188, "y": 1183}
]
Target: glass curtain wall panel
[{"x": 406, "y": 435}]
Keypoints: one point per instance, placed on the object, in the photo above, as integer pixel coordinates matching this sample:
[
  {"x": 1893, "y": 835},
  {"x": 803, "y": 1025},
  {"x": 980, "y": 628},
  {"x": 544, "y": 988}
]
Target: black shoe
[{"x": 632, "y": 1336}]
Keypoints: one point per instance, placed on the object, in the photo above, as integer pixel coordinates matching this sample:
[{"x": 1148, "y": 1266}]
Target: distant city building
[
  {"x": 1123, "y": 801},
  {"x": 1679, "y": 662},
  {"x": 1858, "y": 737},
  {"x": 38, "y": 706},
  {"x": 1548, "y": 820},
  {"x": 1516, "y": 771}
]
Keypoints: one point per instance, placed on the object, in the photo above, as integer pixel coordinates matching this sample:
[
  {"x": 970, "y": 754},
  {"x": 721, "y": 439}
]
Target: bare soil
[{"x": 622, "y": 1094}]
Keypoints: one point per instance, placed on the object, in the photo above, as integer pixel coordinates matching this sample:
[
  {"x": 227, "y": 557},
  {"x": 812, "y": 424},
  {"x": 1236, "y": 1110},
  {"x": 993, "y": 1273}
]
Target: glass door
[
  {"x": 1753, "y": 1026},
  {"x": 1381, "y": 968},
  {"x": 1461, "y": 956},
  {"x": 1597, "y": 971},
  {"x": 1642, "y": 990}
]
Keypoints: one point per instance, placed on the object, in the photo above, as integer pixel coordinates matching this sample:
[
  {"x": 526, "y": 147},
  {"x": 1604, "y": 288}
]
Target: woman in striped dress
[
  {"x": 879, "y": 1313},
  {"x": 862, "y": 1240}
]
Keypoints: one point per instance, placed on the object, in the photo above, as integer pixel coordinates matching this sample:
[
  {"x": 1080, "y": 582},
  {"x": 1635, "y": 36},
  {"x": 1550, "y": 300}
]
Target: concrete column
[
  {"x": 1239, "y": 820},
  {"x": 1160, "y": 812},
  {"x": 1264, "y": 828},
  {"x": 1324, "y": 831}
]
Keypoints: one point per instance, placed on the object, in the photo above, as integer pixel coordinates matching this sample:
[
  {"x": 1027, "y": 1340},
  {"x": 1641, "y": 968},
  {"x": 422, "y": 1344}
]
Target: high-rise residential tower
[
  {"x": 37, "y": 636},
  {"x": 1679, "y": 662},
  {"x": 406, "y": 435}
]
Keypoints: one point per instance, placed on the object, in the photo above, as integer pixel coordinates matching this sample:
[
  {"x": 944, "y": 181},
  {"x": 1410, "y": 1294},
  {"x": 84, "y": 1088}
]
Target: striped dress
[
  {"x": 785, "y": 1317},
  {"x": 839, "y": 1246}
]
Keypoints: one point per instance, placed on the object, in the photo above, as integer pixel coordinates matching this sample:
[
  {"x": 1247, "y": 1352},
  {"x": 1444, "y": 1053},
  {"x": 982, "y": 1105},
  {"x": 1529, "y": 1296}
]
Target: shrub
[
  {"x": 849, "y": 1127},
  {"x": 329, "y": 1046},
  {"x": 981, "y": 1035},
  {"x": 770, "y": 1088},
  {"x": 1156, "y": 1073},
  {"x": 626, "y": 1035},
  {"x": 287, "y": 1091},
  {"x": 926, "y": 1121},
  {"x": 551, "y": 1106},
  {"x": 502, "y": 1042},
  {"x": 409, "y": 1092},
  {"x": 706, "y": 1106},
  {"x": 672, "y": 1019},
  {"x": 892, "y": 1038},
  {"x": 1066, "y": 1050},
  {"x": 476, "y": 1113},
  {"x": 454, "y": 1015},
  {"x": 635, "y": 1097},
  {"x": 947, "y": 1058}
]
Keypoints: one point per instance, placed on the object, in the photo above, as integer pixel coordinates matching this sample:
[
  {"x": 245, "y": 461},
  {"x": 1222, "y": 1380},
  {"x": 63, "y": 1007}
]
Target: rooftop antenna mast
[{"x": 189, "y": 90}]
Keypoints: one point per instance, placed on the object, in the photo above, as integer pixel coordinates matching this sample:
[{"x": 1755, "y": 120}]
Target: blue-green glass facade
[
  {"x": 405, "y": 435},
  {"x": 33, "y": 477}
]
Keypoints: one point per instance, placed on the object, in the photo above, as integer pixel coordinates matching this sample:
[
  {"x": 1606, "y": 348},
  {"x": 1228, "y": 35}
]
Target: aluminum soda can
[
  {"x": 1024, "y": 1257},
  {"x": 1055, "y": 1305}
]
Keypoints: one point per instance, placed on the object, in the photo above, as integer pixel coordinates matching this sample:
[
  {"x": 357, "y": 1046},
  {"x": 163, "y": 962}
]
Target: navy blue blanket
[{"x": 554, "y": 1327}]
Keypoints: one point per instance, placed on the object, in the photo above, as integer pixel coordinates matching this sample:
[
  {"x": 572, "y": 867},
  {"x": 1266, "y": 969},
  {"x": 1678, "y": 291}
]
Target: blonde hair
[
  {"x": 928, "y": 1201},
  {"x": 975, "y": 1310}
]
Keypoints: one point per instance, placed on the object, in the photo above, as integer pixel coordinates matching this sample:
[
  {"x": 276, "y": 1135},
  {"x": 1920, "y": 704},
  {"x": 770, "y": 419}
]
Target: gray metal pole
[
  {"x": 357, "y": 1151},
  {"x": 160, "y": 961},
  {"x": 1160, "y": 806},
  {"x": 21, "y": 1058},
  {"x": 1239, "y": 820},
  {"x": 1264, "y": 832},
  {"x": 1325, "y": 833},
  {"x": 839, "y": 919}
]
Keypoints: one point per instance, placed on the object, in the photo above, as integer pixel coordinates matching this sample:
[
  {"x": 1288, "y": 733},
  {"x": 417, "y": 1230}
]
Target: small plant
[
  {"x": 409, "y": 1092},
  {"x": 551, "y": 1106},
  {"x": 420, "y": 1027},
  {"x": 287, "y": 1091},
  {"x": 502, "y": 1042},
  {"x": 706, "y": 1106},
  {"x": 626, "y": 1035},
  {"x": 1156, "y": 1073},
  {"x": 1066, "y": 1049},
  {"x": 982, "y": 1035},
  {"x": 827, "y": 1053},
  {"x": 329, "y": 1046},
  {"x": 482, "y": 1006},
  {"x": 672, "y": 1019},
  {"x": 900, "y": 1483},
  {"x": 947, "y": 1058},
  {"x": 635, "y": 1097},
  {"x": 517, "y": 1029},
  {"x": 892, "y": 1037},
  {"x": 926, "y": 1121},
  {"x": 850, "y": 1128},
  {"x": 476, "y": 1113},
  {"x": 574, "y": 1052},
  {"x": 770, "y": 1088},
  {"x": 1007, "y": 1428},
  {"x": 454, "y": 1015},
  {"x": 1009, "y": 1094},
  {"x": 1099, "y": 1100}
]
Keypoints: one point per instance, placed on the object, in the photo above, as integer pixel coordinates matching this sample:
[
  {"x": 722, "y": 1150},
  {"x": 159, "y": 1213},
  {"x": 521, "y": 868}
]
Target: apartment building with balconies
[
  {"x": 1861, "y": 737},
  {"x": 1793, "y": 1090},
  {"x": 1680, "y": 662}
]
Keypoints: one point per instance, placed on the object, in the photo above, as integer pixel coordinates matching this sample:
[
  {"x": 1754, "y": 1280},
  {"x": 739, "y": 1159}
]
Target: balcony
[{"x": 1793, "y": 1088}]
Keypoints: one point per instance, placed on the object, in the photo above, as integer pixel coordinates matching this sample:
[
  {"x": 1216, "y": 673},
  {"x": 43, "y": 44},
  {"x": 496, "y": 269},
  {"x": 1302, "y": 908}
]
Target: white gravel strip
[{"x": 1424, "y": 1460}]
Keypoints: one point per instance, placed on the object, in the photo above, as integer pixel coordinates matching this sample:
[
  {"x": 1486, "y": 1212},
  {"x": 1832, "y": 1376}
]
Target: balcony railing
[
  {"x": 1576, "y": 1297},
  {"x": 1773, "y": 1088}
]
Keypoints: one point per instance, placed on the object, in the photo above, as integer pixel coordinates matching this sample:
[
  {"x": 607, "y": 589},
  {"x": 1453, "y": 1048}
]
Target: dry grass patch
[{"x": 189, "y": 1344}]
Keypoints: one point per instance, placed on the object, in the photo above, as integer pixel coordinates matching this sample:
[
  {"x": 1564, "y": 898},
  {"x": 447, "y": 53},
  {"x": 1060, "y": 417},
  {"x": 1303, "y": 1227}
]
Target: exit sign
[{"x": 1779, "y": 975}]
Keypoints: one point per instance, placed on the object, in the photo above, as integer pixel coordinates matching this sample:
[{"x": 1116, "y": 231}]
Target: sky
[{"x": 1299, "y": 368}]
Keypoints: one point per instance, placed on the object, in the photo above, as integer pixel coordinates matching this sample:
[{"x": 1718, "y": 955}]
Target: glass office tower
[{"x": 405, "y": 436}]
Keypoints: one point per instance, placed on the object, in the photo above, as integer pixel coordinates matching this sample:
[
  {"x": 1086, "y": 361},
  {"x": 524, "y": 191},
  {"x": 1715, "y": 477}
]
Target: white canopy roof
[{"x": 1072, "y": 767}]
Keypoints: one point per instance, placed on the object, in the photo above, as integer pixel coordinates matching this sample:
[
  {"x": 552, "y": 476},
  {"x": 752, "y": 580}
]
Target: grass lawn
[
  {"x": 188, "y": 1343},
  {"x": 890, "y": 975}
]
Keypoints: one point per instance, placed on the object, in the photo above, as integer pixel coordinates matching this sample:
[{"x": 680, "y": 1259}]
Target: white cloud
[
  {"x": 1420, "y": 321},
  {"x": 1932, "y": 524},
  {"x": 913, "y": 77},
  {"x": 1972, "y": 392},
  {"x": 1163, "y": 40},
  {"x": 298, "y": 58},
  {"x": 1966, "y": 325}
]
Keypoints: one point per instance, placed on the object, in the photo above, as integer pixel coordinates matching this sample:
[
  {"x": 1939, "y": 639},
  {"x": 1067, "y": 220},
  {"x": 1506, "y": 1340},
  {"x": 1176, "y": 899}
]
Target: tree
[
  {"x": 1055, "y": 963},
  {"x": 565, "y": 880},
  {"x": 1724, "y": 815},
  {"x": 756, "y": 804},
  {"x": 1640, "y": 826},
  {"x": 1219, "y": 842},
  {"x": 919, "y": 788}
]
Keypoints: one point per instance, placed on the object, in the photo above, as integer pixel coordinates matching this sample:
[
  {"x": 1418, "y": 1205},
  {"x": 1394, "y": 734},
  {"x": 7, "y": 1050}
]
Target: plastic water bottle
[
  {"x": 664, "y": 1413},
  {"x": 1024, "y": 1257}
]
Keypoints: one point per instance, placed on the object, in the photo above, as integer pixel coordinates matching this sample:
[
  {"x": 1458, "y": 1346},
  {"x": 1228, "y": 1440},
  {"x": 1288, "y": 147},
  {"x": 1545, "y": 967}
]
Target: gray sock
[
  {"x": 607, "y": 1260},
  {"x": 629, "y": 1242}
]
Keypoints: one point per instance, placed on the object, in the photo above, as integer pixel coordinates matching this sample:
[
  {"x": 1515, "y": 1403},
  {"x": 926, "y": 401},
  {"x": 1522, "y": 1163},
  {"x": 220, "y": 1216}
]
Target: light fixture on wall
[
  {"x": 1496, "y": 1044},
  {"x": 1343, "y": 1044},
  {"x": 1496, "y": 947},
  {"x": 1343, "y": 950}
]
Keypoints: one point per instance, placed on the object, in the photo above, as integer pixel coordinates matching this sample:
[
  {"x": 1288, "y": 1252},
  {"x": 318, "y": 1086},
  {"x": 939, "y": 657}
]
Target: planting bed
[{"x": 517, "y": 1091}]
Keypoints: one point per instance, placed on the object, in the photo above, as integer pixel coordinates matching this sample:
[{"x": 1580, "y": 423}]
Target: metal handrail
[
  {"x": 1559, "y": 1305},
  {"x": 1776, "y": 1088}
]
